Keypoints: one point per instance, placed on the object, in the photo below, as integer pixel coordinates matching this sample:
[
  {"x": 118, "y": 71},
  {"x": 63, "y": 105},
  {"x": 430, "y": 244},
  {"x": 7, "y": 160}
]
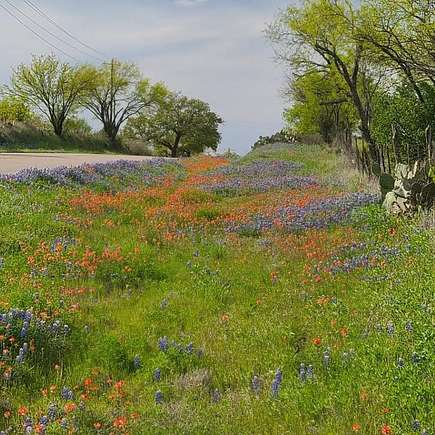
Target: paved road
[{"x": 13, "y": 162}]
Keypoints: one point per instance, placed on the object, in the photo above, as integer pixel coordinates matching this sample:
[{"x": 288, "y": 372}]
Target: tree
[
  {"x": 120, "y": 92},
  {"x": 319, "y": 36},
  {"x": 403, "y": 111},
  {"x": 56, "y": 89},
  {"x": 13, "y": 109},
  {"x": 320, "y": 104},
  {"x": 401, "y": 35},
  {"x": 180, "y": 125}
]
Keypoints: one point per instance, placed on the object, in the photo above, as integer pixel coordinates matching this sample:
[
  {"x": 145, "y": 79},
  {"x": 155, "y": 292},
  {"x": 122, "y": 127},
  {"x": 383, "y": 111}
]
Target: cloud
[{"x": 189, "y": 3}]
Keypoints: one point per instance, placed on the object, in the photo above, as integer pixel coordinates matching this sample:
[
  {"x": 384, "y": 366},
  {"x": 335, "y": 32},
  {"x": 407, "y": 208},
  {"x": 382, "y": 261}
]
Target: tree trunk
[
  {"x": 58, "y": 128},
  {"x": 174, "y": 149}
]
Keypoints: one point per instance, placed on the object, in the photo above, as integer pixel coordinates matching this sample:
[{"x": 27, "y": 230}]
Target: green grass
[
  {"x": 27, "y": 138},
  {"x": 247, "y": 305}
]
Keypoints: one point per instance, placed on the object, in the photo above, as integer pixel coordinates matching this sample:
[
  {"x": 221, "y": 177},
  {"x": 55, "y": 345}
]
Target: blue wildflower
[
  {"x": 415, "y": 425},
  {"x": 163, "y": 344},
  {"x": 408, "y": 326},
  {"x": 276, "y": 383},
  {"x": 256, "y": 385},
  {"x": 67, "y": 394},
  {"x": 158, "y": 397},
  {"x": 137, "y": 363},
  {"x": 390, "y": 328},
  {"x": 157, "y": 375}
]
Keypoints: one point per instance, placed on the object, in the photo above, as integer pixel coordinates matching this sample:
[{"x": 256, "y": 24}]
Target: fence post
[
  {"x": 428, "y": 133},
  {"x": 394, "y": 141}
]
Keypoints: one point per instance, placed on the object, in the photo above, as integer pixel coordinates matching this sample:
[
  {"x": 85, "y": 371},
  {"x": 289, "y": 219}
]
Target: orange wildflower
[
  {"x": 386, "y": 430},
  {"x": 344, "y": 332},
  {"x": 356, "y": 427},
  {"x": 317, "y": 341},
  {"x": 70, "y": 407},
  {"x": 22, "y": 410},
  {"x": 120, "y": 422}
]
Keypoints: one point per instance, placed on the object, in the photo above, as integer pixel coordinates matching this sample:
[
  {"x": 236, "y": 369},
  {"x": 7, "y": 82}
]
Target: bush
[
  {"x": 282, "y": 136},
  {"x": 14, "y": 110},
  {"x": 77, "y": 126}
]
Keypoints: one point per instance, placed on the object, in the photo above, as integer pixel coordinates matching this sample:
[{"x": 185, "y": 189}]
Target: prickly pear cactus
[{"x": 408, "y": 191}]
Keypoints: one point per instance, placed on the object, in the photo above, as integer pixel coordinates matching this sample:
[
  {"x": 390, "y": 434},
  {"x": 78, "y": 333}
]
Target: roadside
[{"x": 13, "y": 162}]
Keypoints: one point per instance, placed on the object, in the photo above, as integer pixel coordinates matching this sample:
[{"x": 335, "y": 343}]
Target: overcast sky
[{"x": 210, "y": 49}]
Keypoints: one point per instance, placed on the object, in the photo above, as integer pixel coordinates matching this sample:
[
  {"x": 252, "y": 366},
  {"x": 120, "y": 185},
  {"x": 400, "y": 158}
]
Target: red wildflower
[
  {"x": 386, "y": 430},
  {"x": 317, "y": 341},
  {"x": 344, "y": 332},
  {"x": 70, "y": 407},
  {"x": 22, "y": 410},
  {"x": 120, "y": 422},
  {"x": 356, "y": 427}
]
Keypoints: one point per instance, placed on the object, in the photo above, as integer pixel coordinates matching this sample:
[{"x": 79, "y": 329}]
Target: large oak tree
[{"x": 181, "y": 125}]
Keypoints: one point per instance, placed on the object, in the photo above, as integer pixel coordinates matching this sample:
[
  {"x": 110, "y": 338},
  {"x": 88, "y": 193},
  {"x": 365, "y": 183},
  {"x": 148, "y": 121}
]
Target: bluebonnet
[
  {"x": 302, "y": 372},
  {"x": 276, "y": 383},
  {"x": 310, "y": 372},
  {"x": 256, "y": 385},
  {"x": 326, "y": 358},
  {"x": 318, "y": 214},
  {"x": 67, "y": 393},
  {"x": 86, "y": 174},
  {"x": 415, "y": 358},
  {"x": 163, "y": 344},
  {"x": 28, "y": 425},
  {"x": 390, "y": 328},
  {"x": 415, "y": 425},
  {"x": 216, "y": 395},
  {"x": 400, "y": 362},
  {"x": 137, "y": 363},
  {"x": 52, "y": 411},
  {"x": 408, "y": 326},
  {"x": 157, "y": 375},
  {"x": 159, "y": 397}
]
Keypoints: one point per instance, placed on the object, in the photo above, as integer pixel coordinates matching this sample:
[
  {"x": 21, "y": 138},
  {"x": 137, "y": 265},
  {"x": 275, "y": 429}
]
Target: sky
[{"x": 214, "y": 50}]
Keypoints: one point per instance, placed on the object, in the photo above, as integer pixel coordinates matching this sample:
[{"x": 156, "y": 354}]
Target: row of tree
[
  {"x": 117, "y": 95},
  {"x": 370, "y": 67}
]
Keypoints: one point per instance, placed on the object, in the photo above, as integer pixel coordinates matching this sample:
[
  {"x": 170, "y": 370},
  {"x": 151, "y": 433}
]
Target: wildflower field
[{"x": 270, "y": 295}]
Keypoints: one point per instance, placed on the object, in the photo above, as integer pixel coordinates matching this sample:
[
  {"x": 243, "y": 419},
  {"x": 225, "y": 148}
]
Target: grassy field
[
  {"x": 266, "y": 296},
  {"x": 22, "y": 137}
]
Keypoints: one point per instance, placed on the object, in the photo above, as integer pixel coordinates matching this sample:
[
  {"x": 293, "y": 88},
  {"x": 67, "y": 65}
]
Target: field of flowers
[{"x": 271, "y": 295}]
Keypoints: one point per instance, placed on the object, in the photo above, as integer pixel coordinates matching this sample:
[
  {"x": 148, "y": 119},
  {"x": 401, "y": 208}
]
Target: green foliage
[
  {"x": 14, "y": 109},
  {"x": 54, "y": 88},
  {"x": 375, "y": 56},
  {"x": 320, "y": 105},
  {"x": 119, "y": 92},
  {"x": 180, "y": 125},
  {"x": 77, "y": 126},
  {"x": 403, "y": 110},
  {"x": 283, "y": 136}
]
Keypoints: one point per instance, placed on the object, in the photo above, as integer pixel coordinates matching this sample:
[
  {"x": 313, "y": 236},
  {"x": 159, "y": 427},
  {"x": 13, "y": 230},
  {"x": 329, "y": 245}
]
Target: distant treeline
[{"x": 48, "y": 95}]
